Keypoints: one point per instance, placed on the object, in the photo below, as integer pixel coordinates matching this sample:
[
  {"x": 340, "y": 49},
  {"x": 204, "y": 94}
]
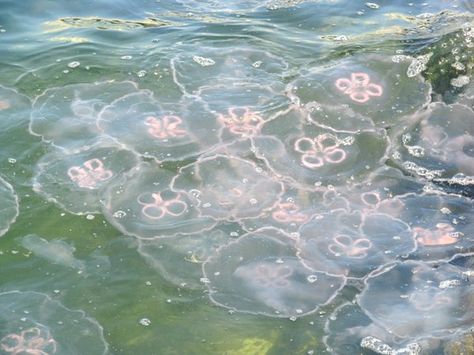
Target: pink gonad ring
[
  {"x": 358, "y": 87},
  {"x": 160, "y": 208},
  {"x": 242, "y": 121},
  {"x": 319, "y": 151},
  {"x": 166, "y": 127},
  {"x": 89, "y": 174}
]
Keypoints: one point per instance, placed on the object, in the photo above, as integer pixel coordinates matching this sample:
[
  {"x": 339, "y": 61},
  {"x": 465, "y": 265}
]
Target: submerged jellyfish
[
  {"x": 228, "y": 188},
  {"x": 441, "y": 143},
  {"x": 373, "y": 86},
  {"x": 143, "y": 205},
  {"x": 311, "y": 155},
  {"x": 33, "y": 323},
  {"x": 414, "y": 299},
  {"x": 442, "y": 224},
  {"x": 209, "y": 66},
  {"x": 353, "y": 244},
  {"x": 349, "y": 330},
  {"x": 9, "y": 208},
  {"x": 377, "y": 192},
  {"x": 76, "y": 182},
  {"x": 295, "y": 208},
  {"x": 142, "y": 124},
  {"x": 66, "y": 116},
  {"x": 13, "y": 108},
  {"x": 55, "y": 251},
  {"x": 179, "y": 259},
  {"x": 35, "y": 340},
  {"x": 260, "y": 274}
]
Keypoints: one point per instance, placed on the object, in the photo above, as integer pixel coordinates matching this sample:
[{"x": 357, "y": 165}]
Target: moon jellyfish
[
  {"x": 55, "y": 251},
  {"x": 66, "y": 116},
  {"x": 295, "y": 208},
  {"x": 377, "y": 192},
  {"x": 353, "y": 244},
  {"x": 370, "y": 85},
  {"x": 13, "y": 108},
  {"x": 349, "y": 330},
  {"x": 228, "y": 188},
  {"x": 193, "y": 70},
  {"x": 241, "y": 110},
  {"x": 9, "y": 208},
  {"x": 414, "y": 299},
  {"x": 441, "y": 144},
  {"x": 33, "y": 323},
  {"x": 179, "y": 259},
  {"x": 260, "y": 274},
  {"x": 441, "y": 224},
  {"x": 139, "y": 122},
  {"x": 143, "y": 205},
  {"x": 310, "y": 155},
  {"x": 76, "y": 182}
]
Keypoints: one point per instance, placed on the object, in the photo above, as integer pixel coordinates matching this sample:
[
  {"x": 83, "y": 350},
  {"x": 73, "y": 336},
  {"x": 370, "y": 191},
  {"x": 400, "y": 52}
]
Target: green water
[{"x": 136, "y": 41}]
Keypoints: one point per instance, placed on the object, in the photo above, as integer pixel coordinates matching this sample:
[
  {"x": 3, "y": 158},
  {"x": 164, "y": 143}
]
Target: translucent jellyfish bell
[
  {"x": 442, "y": 224},
  {"x": 414, "y": 299},
  {"x": 209, "y": 66},
  {"x": 33, "y": 323},
  {"x": 9, "y": 208},
  {"x": 259, "y": 274},
  {"x": 353, "y": 244},
  {"x": 66, "y": 116},
  {"x": 310, "y": 155},
  {"x": 76, "y": 182},
  {"x": 241, "y": 109},
  {"x": 349, "y": 331},
  {"x": 228, "y": 188},
  {"x": 144, "y": 205},
  {"x": 295, "y": 208},
  {"x": 441, "y": 144},
  {"x": 179, "y": 259},
  {"x": 142, "y": 124},
  {"x": 377, "y": 191},
  {"x": 371, "y": 85}
]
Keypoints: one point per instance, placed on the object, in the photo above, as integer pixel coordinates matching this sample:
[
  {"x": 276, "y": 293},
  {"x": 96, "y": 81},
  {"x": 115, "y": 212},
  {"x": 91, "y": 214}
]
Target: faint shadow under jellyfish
[
  {"x": 142, "y": 204},
  {"x": 34, "y": 323},
  {"x": 76, "y": 182},
  {"x": 353, "y": 244},
  {"x": 9, "y": 208},
  {"x": 426, "y": 300},
  {"x": 228, "y": 188},
  {"x": 370, "y": 85},
  {"x": 260, "y": 274},
  {"x": 66, "y": 116}
]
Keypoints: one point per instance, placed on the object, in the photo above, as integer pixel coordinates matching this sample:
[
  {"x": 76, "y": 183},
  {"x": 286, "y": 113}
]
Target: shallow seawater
[{"x": 236, "y": 177}]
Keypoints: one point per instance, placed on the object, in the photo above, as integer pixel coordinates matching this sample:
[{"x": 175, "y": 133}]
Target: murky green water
[{"x": 236, "y": 177}]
